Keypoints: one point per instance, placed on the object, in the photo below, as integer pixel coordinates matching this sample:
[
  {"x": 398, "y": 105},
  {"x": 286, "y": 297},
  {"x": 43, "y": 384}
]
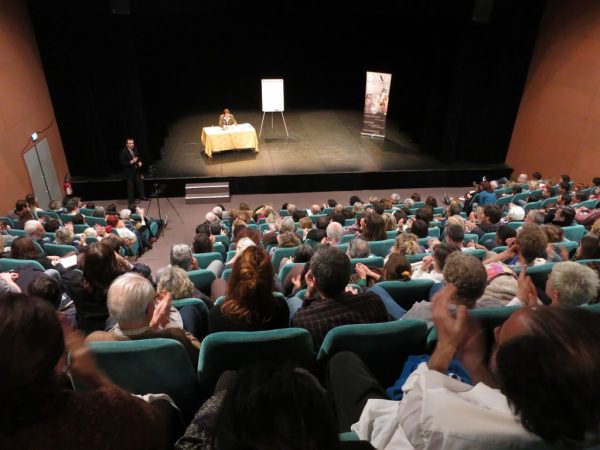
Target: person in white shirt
[{"x": 539, "y": 387}]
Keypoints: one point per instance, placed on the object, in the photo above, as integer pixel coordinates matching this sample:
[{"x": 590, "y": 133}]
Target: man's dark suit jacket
[{"x": 125, "y": 159}]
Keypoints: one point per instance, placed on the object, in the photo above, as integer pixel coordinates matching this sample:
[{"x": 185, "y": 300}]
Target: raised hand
[{"x": 162, "y": 310}]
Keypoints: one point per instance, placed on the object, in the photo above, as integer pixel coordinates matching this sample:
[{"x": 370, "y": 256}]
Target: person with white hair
[
  {"x": 395, "y": 198},
  {"x": 218, "y": 211},
  {"x": 334, "y": 234},
  {"x": 35, "y": 230},
  {"x": 211, "y": 217},
  {"x": 125, "y": 214},
  {"x": 515, "y": 214},
  {"x": 409, "y": 203},
  {"x": 572, "y": 284},
  {"x": 141, "y": 313}
]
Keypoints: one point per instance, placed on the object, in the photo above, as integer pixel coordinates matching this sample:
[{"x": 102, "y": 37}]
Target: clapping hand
[
  {"x": 526, "y": 291},
  {"x": 162, "y": 310}
]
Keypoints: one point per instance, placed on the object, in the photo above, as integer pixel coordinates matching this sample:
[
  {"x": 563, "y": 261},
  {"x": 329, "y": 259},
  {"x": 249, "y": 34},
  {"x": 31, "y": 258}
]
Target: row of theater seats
[{"x": 162, "y": 365}]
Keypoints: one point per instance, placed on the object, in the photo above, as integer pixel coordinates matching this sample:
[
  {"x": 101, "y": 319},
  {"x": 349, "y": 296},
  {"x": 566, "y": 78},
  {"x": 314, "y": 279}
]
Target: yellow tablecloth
[{"x": 216, "y": 139}]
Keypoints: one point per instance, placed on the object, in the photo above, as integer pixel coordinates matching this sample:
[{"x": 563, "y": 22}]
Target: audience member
[
  {"x": 249, "y": 304},
  {"x": 327, "y": 304}
]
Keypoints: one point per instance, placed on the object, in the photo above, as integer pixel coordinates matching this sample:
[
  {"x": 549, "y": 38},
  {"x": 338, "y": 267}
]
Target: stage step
[{"x": 207, "y": 192}]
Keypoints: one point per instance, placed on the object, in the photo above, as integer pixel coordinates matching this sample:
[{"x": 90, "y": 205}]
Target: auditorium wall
[
  {"x": 558, "y": 125},
  {"x": 25, "y": 104}
]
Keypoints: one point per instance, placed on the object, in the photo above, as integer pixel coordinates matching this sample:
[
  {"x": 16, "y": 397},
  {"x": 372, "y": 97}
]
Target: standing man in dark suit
[{"x": 132, "y": 165}]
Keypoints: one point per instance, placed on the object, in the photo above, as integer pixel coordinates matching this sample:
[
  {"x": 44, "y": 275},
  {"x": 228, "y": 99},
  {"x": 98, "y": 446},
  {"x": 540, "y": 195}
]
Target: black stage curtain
[
  {"x": 456, "y": 82},
  {"x": 92, "y": 72}
]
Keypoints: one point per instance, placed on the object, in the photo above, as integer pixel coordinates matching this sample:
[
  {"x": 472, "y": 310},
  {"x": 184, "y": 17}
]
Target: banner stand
[{"x": 376, "y": 104}]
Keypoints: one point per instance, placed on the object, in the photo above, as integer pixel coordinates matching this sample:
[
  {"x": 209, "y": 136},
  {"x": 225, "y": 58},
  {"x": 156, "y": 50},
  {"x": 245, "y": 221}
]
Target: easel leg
[
  {"x": 284, "y": 124},
  {"x": 261, "y": 124}
]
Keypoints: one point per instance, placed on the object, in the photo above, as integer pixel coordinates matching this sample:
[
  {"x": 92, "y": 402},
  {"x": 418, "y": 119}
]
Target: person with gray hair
[
  {"x": 35, "y": 230},
  {"x": 141, "y": 313},
  {"x": 286, "y": 225},
  {"x": 334, "y": 234},
  {"x": 535, "y": 216},
  {"x": 181, "y": 256},
  {"x": 572, "y": 284},
  {"x": 395, "y": 198},
  {"x": 409, "y": 203},
  {"x": 358, "y": 248},
  {"x": 218, "y": 211},
  {"x": 64, "y": 236},
  {"x": 211, "y": 217},
  {"x": 99, "y": 211},
  {"x": 464, "y": 271}
]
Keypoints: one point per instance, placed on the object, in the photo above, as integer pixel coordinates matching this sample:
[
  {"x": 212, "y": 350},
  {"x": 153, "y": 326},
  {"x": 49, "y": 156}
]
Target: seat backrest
[
  {"x": 515, "y": 225},
  {"x": 574, "y": 232},
  {"x": 201, "y": 278},
  {"x": 471, "y": 238},
  {"x": 220, "y": 247},
  {"x": 59, "y": 249},
  {"x": 91, "y": 221},
  {"x": 80, "y": 228},
  {"x": 150, "y": 366},
  {"x": 381, "y": 248},
  {"x": 489, "y": 319},
  {"x": 392, "y": 234},
  {"x": 7, "y": 264},
  {"x": 417, "y": 257},
  {"x": 8, "y": 221},
  {"x": 433, "y": 232},
  {"x": 406, "y": 293},
  {"x": 383, "y": 347},
  {"x": 549, "y": 202},
  {"x": 226, "y": 274},
  {"x": 316, "y": 217},
  {"x": 230, "y": 350},
  {"x": 222, "y": 239},
  {"x": 539, "y": 274},
  {"x": 49, "y": 214},
  {"x": 478, "y": 253},
  {"x": 592, "y": 204},
  {"x": 372, "y": 261},
  {"x": 204, "y": 259},
  {"x": 281, "y": 253},
  {"x": 347, "y": 238},
  {"x": 532, "y": 205},
  {"x": 285, "y": 269},
  {"x": 190, "y": 301},
  {"x": 504, "y": 200},
  {"x": 487, "y": 239},
  {"x": 18, "y": 233}
]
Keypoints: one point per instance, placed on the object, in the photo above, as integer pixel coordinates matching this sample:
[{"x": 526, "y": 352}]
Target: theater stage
[{"x": 324, "y": 151}]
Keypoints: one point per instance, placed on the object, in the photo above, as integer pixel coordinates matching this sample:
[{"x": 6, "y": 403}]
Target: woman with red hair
[{"x": 249, "y": 302}]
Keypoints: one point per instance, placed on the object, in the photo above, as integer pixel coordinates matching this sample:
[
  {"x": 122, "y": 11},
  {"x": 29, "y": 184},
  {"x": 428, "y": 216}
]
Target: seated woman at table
[{"x": 226, "y": 119}]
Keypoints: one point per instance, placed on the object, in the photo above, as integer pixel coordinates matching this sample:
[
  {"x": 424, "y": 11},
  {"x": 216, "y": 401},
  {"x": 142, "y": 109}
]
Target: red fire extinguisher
[{"x": 67, "y": 186}]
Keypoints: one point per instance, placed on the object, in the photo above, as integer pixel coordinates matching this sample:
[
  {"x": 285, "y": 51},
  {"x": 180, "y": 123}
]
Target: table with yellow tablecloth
[{"x": 217, "y": 139}]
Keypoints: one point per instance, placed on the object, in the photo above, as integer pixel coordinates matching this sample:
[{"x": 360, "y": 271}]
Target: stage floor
[
  {"x": 324, "y": 152},
  {"x": 321, "y": 141}
]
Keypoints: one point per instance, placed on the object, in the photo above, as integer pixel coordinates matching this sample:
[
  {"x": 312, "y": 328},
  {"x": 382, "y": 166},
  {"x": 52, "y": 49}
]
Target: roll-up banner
[{"x": 376, "y": 103}]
